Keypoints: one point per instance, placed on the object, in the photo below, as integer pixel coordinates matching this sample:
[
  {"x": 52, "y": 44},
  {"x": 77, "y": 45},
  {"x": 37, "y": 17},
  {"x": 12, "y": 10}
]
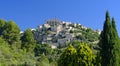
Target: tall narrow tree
[
  {"x": 105, "y": 42},
  {"x": 109, "y": 43},
  {"x": 115, "y": 61}
]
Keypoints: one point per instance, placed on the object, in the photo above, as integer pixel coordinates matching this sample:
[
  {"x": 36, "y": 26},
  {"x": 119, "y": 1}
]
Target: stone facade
[{"x": 56, "y": 32}]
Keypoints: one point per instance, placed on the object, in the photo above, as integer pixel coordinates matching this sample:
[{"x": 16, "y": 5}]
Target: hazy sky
[{"x": 31, "y": 13}]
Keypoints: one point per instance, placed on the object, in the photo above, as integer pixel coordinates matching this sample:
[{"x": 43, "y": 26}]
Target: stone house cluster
[{"x": 54, "y": 32}]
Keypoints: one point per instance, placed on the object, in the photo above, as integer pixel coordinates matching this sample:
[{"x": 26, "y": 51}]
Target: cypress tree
[
  {"x": 115, "y": 61},
  {"x": 105, "y": 42},
  {"x": 109, "y": 43}
]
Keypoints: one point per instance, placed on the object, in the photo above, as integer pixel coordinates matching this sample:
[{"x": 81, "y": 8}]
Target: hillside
[
  {"x": 44, "y": 45},
  {"x": 57, "y": 32}
]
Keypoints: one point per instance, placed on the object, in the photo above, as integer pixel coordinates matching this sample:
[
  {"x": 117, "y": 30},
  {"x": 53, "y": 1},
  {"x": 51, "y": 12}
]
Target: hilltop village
[{"x": 57, "y": 32}]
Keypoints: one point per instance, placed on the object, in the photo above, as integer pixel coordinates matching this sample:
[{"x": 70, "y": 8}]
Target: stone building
[{"x": 54, "y": 22}]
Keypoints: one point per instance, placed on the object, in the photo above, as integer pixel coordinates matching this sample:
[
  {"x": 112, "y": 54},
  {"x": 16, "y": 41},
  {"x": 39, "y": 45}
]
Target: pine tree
[
  {"x": 11, "y": 33},
  {"x": 28, "y": 41}
]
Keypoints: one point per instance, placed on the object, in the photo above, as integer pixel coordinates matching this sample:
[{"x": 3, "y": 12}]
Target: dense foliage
[
  {"x": 68, "y": 57},
  {"x": 109, "y": 43},
  {"x": 28, "y": 42},
  {"x": 83, "y": 56},
  {"x": 21, "y": 49}
]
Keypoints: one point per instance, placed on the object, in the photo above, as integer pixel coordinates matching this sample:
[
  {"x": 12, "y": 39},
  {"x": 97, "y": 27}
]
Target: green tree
[
  {"x": 5, "y": 53},
  {"x": 85, "y": 56},
  {"x": 68, "y": 57},
  {"x": 75, "y": 44},
  {"x": 115, "y": 60},
  {"x": 28, "y": 41},
  {"x": 11, "y": 34},
  {"x": 2, "y": 24},
  {"x": 42, "y": 61},
  {"x": 105, "y": 42},
  {"x": 43, "y": 48},
  {"x": 109, "y": 43}
]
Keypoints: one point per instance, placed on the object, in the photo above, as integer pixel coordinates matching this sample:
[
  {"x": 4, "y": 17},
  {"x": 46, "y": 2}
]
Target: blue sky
[{"x": 31, "y": 13}]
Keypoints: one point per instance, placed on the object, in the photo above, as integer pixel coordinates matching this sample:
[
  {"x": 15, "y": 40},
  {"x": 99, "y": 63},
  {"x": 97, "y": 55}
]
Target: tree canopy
[
  {"x": 109, "y": 43},
  {"x": 28, "y": 41}
]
